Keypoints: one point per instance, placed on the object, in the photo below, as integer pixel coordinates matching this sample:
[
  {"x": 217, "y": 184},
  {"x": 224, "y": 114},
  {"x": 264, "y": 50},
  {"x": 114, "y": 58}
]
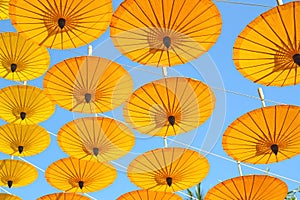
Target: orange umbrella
[
  {"x": 4, "y": 4},
  {"x": 96, "y": 138},
  {"x": 169, "y": 106},
  {"x": 63, "y": 196},
  {"x": 88, "y": 84},
  {"x": 148, "y": 194},
  {"x": 24, "y": 104},
  {"x": 4, "y": 196},
  {"x": 250, "y": 187},
  {"x": 61, "y": 24},
  {"x": 74, "y": 175},
  {"x": 16, "y": 173},
  {"x": 264, "y": 135},
  {"x": 21, "y": 59},
  {"x": 23, "y": 140},
  {"x": 267, "y": 51},
  {"x": 168, "y": 169},
  {"x": 165, "y": 33}
]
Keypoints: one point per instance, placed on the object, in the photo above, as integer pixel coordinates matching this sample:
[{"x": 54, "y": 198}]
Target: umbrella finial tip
[
  {"x": 169, "y": 181},
  {"x": 171, "y": 120},
  {"x": 22, "y": 115},
  {"x": 61, "y": 23},
  {"x": 88, "y": 97},
  {"x": 80, "y": 184},
  {"x": 13, "y": 67},
  {"x": 9, "y": 183},
  {"x": 96, "y": 151},
  {"x": 167, "y": 41},
  {"x": 296, "y": 58},
  {"x": 274, "y": 148},
  {"x": 20, "y": 149}
]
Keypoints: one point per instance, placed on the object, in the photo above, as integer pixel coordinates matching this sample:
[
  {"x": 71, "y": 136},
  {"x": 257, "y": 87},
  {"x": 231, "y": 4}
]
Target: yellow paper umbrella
[
  {"x": 169, "y": 106},
  {"x": 4, "y": 5},
  {"x": 264, "y": 135},
  {"x": 148, "y": 194},
  {"x": 251, "y": 187},
  {"x": 23, "y": 140},
  {"x": 96, "y": 138},
  {"x": 267, "y": 51},
  {"x": 168, "y": 169},
  {"x": 61, "y": 24},
  {"x": 16, "y": 173},
  {"x": 74, "y": 175},
  {"x": 88, "y": 84},
  {"x": 165, "y": 33},
  {"x": 24, "y": 105},
  {"x": 63, "y": 196},
  {"x": 4, "y": 196},
  {"x": 21, "y": 59}
]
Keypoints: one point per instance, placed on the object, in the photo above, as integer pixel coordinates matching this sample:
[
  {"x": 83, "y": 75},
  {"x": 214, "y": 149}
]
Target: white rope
[
  {"x": 4, "y": 190},
  {"x": 90, "y": 196},
  {"x": 52, "y": 133},
  {"x": 187, "y": 195},
  {"x": 247, "y": 95},
  {"x": 113, "y": 162},
  {"x": 42, "y": 170},
  {"x": 242, "y": 3},
  {"x": 231, "y": 160}
]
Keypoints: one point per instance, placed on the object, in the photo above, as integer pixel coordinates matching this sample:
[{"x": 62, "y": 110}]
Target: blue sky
[{"x": 215, "y": 68}]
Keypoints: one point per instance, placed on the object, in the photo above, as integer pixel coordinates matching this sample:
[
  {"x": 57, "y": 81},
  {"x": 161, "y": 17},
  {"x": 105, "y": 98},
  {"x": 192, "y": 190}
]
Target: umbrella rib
[
  {"x": 286, "y": 131},
  {"x": 154, "y": 13},
  {"x": 137, "y": 18},
  {"x": 270, "y": 26},
  {"x": 295, "y": 28},
  {"x": 94, "y": 81},
  {"x": 31, "y": 11},
  {"x": 268, "y": 74},
  {"x": 284, "y": 26},
  {"x": 185, "y": 27},
  {"x": 80, "y": 14},
  {"x": 85, "y": 131},
  {"x": 263, "y": 137},
  {"x": 187, "y": 22},
  {"x": 192, "y": 29},
  {"x": 262, "y": 45},
  {"x": 283, "y": 123}
]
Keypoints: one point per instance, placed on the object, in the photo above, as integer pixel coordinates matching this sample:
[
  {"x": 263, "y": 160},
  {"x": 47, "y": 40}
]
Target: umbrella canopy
[
  {"x": 23, "y": 140},
  {"x": 24, "y": 104},
  {"x": 74, "y": 175},
  {"x": 4, "y": 4},
  {"x": 96, "y": 138},
  {"x": 21, "y": 59},
  {"x": 250, "y": 187},
  {"x": 16, "y": 173},
  {"x": 267, "y": 51},
  {"x": 148, "y": 194},
  {"x": 165, "y": 33},
  {"x": 168, "y": 169},
  {"x": 169, "y": 106},
  {"x": 61, "y": 24},
  {"x": 264, "y": 135},
  {"x": 88, "y": 84},
  {"x": 4, "y": 196},
  {"x": 63, "y": 196}
]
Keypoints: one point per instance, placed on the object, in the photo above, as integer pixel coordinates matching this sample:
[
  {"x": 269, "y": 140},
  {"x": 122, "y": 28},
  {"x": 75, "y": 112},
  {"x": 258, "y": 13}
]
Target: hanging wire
[
  {"x": 4, "y": 190},
  {"x": 242, "y": 3},
  {"x": 191, "y": 197}
]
